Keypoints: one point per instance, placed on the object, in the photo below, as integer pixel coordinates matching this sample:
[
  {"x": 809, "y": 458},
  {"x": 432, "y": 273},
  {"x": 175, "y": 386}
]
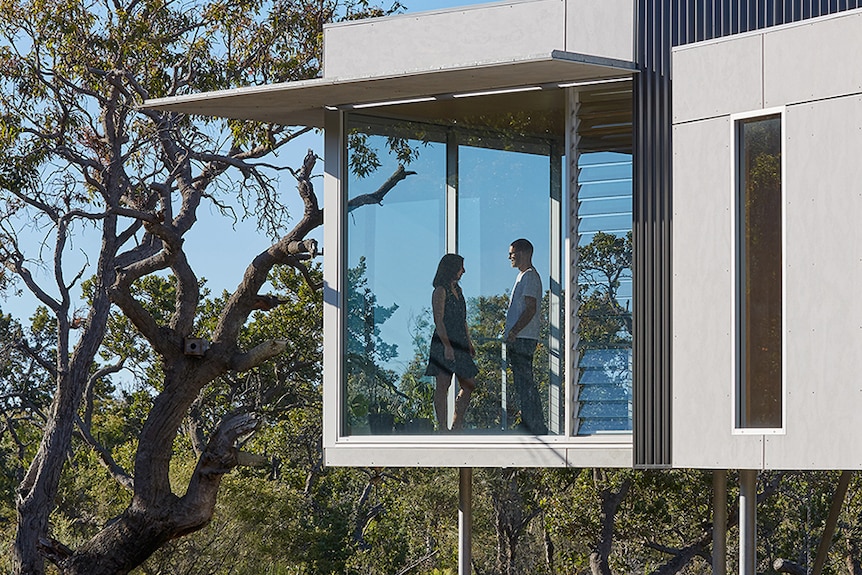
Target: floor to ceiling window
[
  {"x": 468, "y": 176},
  {"x": 603, "y": 228}
]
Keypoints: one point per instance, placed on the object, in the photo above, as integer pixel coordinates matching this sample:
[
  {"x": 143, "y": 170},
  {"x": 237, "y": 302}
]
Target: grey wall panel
[
  {"x": 703, "y": 313},
  {"x": 808, "y": 61},
  {"x": 661, "y": 24},
  {"x": 484, "y": 33},
  {"x": 720, "y": 77},
  {"x": 823, "y": 308},
  {"x": 603, "y": 28},
  {"x": 822, "y": 274},
  {"x": 421, "y": 42},
  {"x": 461, "y": 454}
]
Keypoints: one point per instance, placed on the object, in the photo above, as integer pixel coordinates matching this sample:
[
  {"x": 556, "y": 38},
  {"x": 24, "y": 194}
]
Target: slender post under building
[
  {"x": 747, "y": 521},
  {"x": 719, "y": 522},
  {"x": 465, "y": 520}
]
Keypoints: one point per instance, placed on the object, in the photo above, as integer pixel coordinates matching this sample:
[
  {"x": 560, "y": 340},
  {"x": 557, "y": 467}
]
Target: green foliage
[
  {"x": 69, "y": 71},
  {"x": 370, "y": 385},
  {"x": 602, "y": 264}
]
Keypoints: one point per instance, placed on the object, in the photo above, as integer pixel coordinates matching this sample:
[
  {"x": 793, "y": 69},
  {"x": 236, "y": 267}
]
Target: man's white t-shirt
[{"x": 528, "y": 284}]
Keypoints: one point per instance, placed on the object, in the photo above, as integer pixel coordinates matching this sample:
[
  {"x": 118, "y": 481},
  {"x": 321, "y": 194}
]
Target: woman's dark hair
[{"x": 449, "y": 265}]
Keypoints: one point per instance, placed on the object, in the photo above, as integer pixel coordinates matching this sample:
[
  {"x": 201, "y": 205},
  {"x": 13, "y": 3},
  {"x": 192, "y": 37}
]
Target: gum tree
[{"x": 81, "y": 164}]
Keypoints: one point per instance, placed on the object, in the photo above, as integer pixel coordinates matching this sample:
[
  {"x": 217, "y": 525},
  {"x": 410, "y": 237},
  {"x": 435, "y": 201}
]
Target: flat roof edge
[
  {"x": 181, "y": 102},
  {"x": 167, "y": 102},
  {"x": 603, "y": 61}
]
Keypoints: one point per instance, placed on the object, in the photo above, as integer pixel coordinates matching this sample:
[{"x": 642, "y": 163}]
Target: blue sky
[{"x": 217, "y": 252}]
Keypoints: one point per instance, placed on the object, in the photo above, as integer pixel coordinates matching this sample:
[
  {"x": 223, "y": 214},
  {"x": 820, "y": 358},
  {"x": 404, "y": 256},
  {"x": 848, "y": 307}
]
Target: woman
[{"x": 451, "y": 348}]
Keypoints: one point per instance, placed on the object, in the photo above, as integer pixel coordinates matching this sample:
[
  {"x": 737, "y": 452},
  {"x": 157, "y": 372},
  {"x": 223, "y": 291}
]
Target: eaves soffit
[{"x": 304, "y": 102}]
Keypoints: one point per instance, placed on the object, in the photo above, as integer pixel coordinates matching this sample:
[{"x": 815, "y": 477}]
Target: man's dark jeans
[{"x": 520, "y": 357}]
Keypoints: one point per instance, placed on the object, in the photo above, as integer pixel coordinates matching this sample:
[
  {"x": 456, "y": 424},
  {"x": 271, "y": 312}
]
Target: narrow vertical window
[{"x": 760, "y": 272}]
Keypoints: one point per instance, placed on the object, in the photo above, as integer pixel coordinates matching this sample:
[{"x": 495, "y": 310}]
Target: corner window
[
  {"x": 421, "y": 188},
  {"x": 759, "y": 227},
  {"x": 469, "y": 176}
]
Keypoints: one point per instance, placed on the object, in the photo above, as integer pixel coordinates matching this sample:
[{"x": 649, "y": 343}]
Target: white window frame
[
  {"x": 735, "y": 120},
  {"x": 450, "y": 450}
]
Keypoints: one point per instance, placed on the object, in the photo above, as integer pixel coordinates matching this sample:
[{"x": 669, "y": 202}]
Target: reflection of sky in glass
[
  {"x": 504, "y": 196},
  {"x": 503, "y": 193},
  {"x": 402, "y": 239}
]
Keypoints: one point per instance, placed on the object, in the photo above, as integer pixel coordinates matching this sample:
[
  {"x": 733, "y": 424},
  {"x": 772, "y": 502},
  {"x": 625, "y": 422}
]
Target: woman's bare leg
[{"x": 462, "y": 401}]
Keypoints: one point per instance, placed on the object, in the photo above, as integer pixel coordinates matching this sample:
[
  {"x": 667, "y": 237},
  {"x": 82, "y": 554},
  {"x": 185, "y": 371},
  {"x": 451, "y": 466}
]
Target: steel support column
[
  {"x": 747, "y": 521},
  {"x": 465, "y": 520},
  {"x": 719, "y": 522}
]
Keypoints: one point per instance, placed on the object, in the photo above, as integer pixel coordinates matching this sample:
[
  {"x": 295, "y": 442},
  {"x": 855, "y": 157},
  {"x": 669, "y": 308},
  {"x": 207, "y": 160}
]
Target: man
[{"x": 522, "y": 335}]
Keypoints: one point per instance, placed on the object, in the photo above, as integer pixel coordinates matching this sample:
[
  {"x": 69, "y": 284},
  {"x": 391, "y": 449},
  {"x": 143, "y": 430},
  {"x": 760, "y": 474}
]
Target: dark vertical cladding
[
  {"x": 697, "y": 20},
  {"x": 652, "y": 232},
  {"x": 662, "y": 24}
]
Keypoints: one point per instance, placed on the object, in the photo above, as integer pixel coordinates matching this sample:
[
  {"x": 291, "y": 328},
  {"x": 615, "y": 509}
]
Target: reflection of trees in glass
[
  {"x": 403, "y": 140},
  {"x": 416, "y": 411},
  {"x": 761, "y": 251},
  {"x": 486, "y": 319},
  {"x": 605, "y": 334},
  {"x": 602, "y": 265},
  {"x": 370, "y": 386}
]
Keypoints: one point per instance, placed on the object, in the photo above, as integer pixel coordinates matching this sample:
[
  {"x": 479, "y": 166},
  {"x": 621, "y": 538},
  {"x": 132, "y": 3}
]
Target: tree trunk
[
  {"x": 37, "y": 491},
  {"x": 148, "y": 524},
  {"x": 121, "y": 546},
  {"x": 32, "y": 523},
  {"x": 549, "y": 549},
  {"x": 680, "y": 560},
  {"x": 851, "y": 559},
  {"x": 611, "y": 500}
]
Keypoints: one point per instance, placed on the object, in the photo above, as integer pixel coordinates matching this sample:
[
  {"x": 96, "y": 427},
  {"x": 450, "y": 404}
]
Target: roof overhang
[{"x": 303, "y": 103}]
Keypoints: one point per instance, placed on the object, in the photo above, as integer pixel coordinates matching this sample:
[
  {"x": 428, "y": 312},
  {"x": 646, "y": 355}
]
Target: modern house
[{"x": 688, "y": 173}]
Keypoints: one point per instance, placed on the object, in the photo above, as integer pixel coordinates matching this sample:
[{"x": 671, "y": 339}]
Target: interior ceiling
[
  {"x": 605, "y": 115},
  {"x": 538, "y": 113}
]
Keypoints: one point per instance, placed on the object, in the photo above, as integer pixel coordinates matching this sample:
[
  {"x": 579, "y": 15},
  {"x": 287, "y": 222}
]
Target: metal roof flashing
[{"x": 302, "y": 103}]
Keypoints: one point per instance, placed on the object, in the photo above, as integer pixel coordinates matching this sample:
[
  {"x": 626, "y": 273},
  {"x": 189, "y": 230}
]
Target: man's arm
[{"x": 530, "y": 306}]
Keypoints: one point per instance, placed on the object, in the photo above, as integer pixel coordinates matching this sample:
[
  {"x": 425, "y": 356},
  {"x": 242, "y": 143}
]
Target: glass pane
[
  {"x": 760, "y": 247},
  {"x": 604, "y": 229},
  {"x": 501, "y": 156},
  {"x": 504, "y": 195},
  {"x": 394, "y": 241}
]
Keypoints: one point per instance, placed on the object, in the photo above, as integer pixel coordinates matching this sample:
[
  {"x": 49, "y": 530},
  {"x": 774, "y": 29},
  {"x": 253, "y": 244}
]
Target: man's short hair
[{"x": 523, "y": 245}]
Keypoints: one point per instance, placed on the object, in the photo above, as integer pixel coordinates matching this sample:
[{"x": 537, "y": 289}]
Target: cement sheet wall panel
[
  {"x": 471, "y": 36},
  {"x": 703, "y": 299},
  {"x": 603, "y": 28},
  {"x": 815, "y": 60},
  {"x": 446, "y": 39},
  {"x": 823, "y": 275},
  {"x": 465, "y": 455},
  {"x": 715, "y": 78}
]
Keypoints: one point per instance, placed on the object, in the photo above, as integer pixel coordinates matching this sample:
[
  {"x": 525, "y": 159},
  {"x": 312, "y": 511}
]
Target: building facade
[{"x": 685, "y": 172}]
